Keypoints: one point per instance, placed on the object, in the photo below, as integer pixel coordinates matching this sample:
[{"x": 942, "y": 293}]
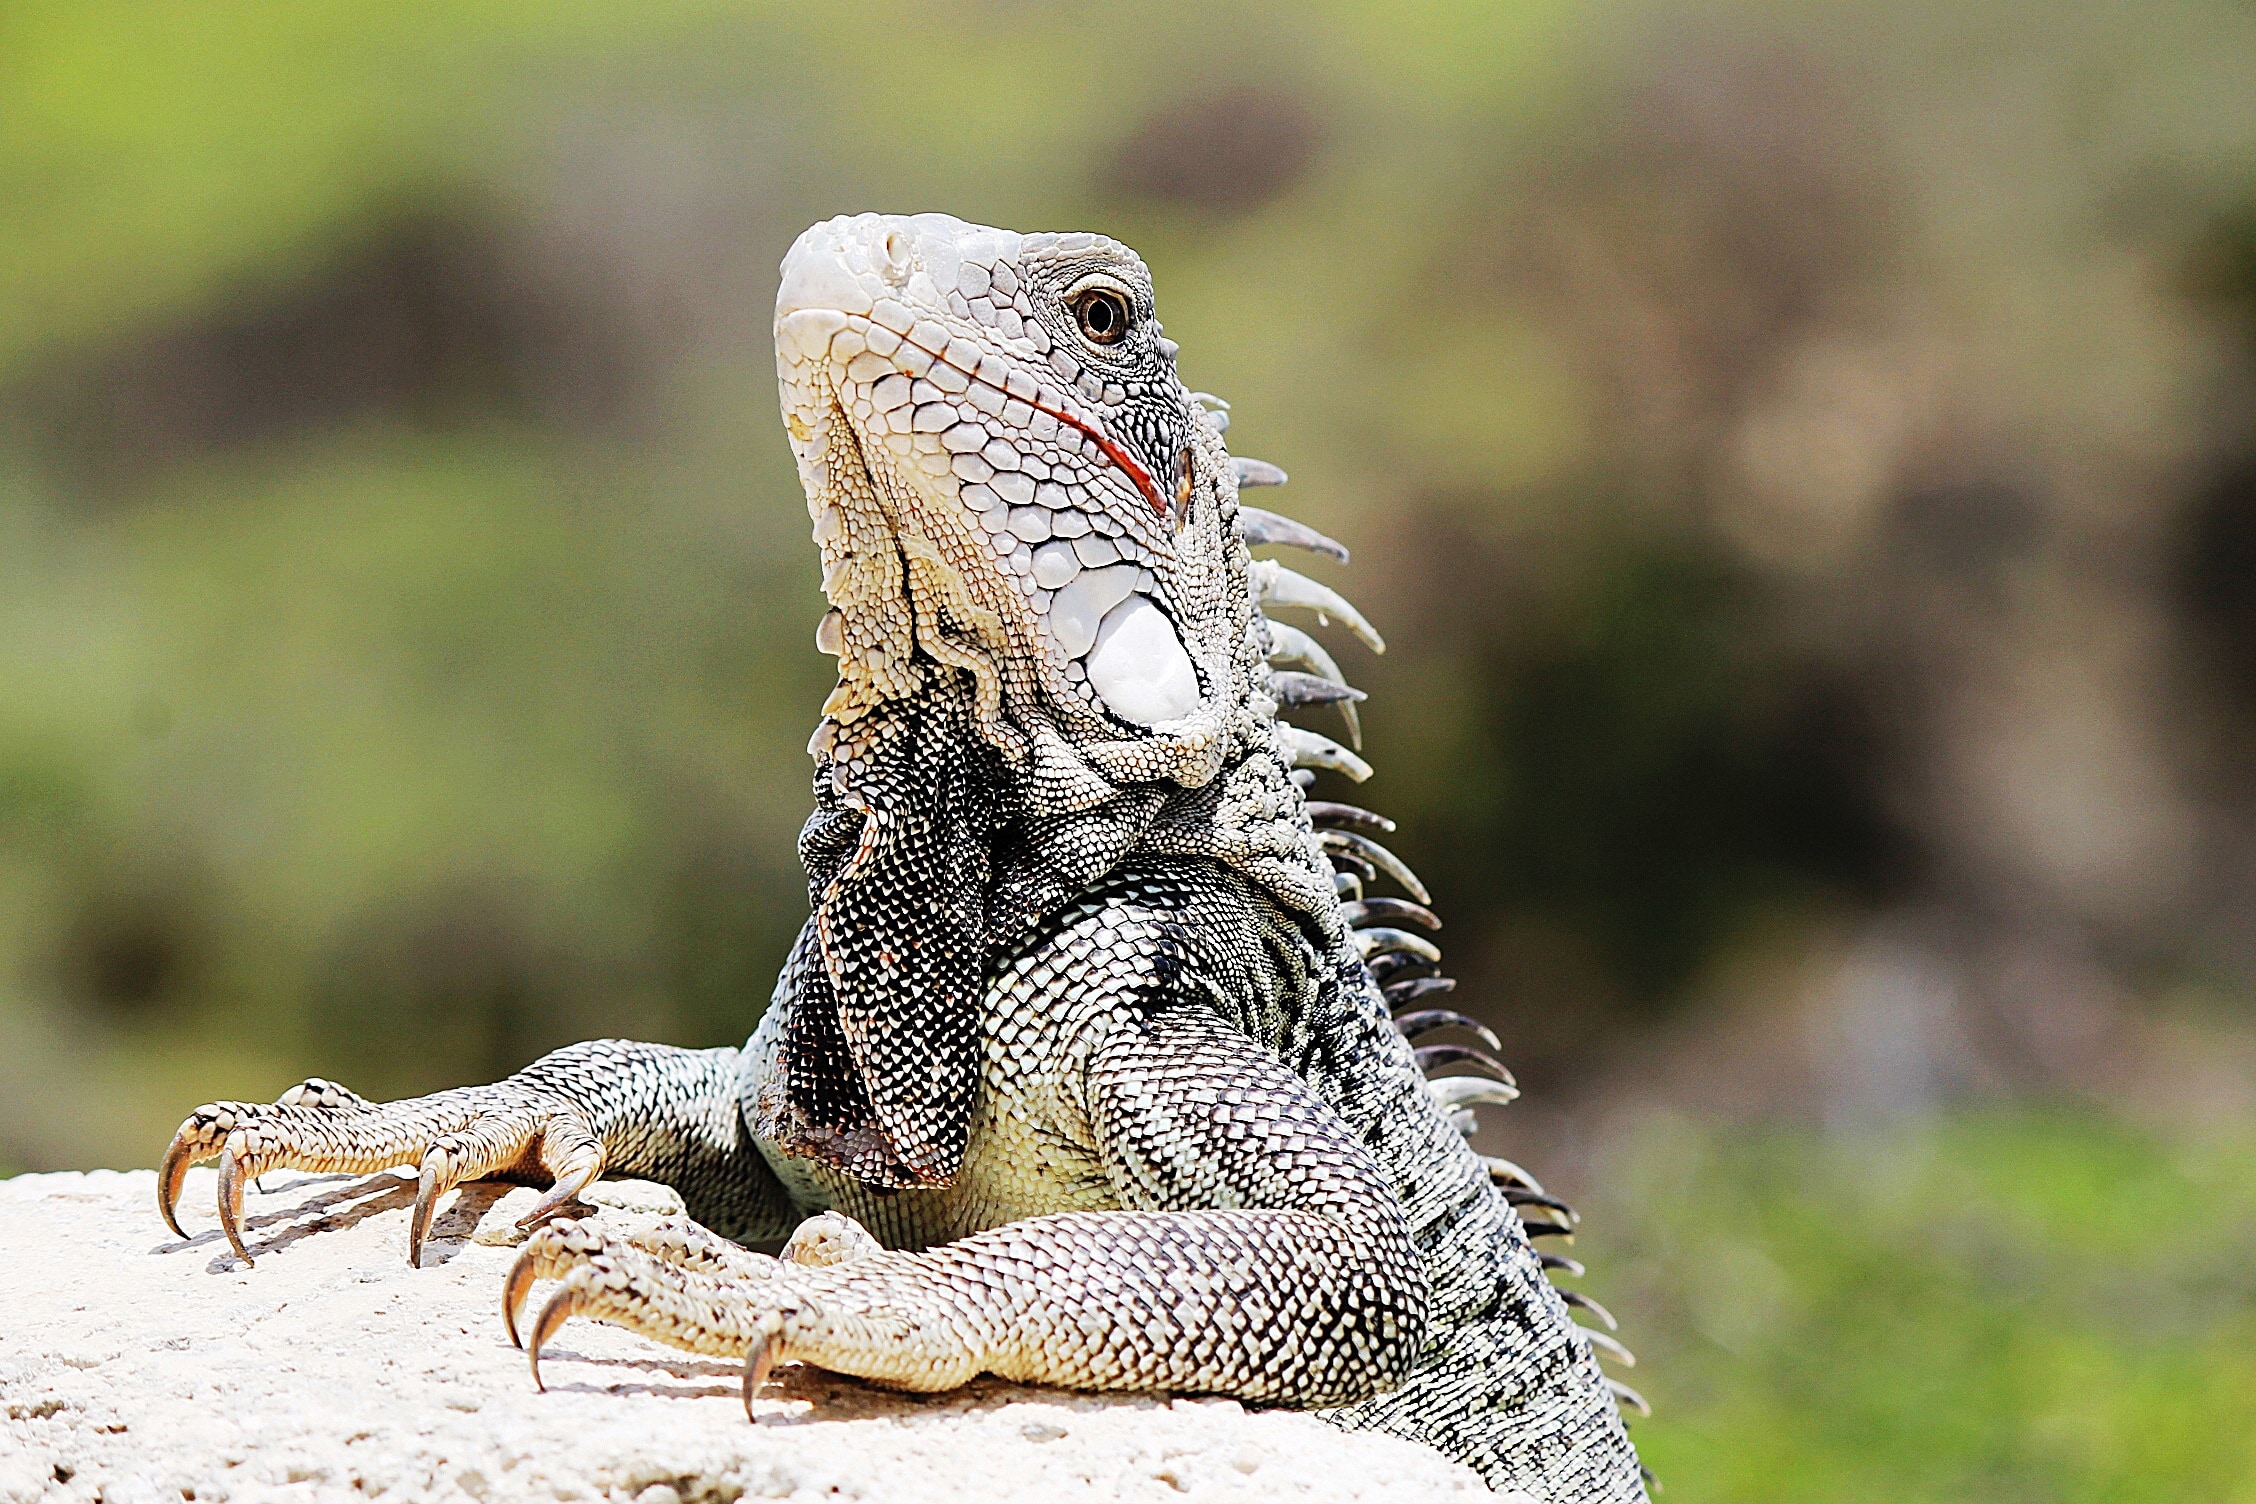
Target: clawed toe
[
  {"x": 561, "y": 1307},
  {"x": 231, "y": 1179},
  {"x": 759, "y": 1360},
  {"x": 616, "y": 1282},
  {"x": 550, "y": 1253},
  {"x": 759, "y": 1354}
]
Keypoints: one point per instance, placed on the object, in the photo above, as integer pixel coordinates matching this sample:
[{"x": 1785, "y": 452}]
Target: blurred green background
[{"x": 1803, "y": 457}]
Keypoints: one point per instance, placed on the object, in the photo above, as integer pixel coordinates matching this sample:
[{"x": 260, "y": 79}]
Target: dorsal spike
[
  {"x": 1253, "y": 472},
  {"x": 1504, "y": 1173},
  {"x": 1258, "y": 527},
  {"x": 1381, "y": 941},
  {"x": 1610, "y": 1346},
  {"x": 1517, "y": 1197},
  {"x": 1379, "y": 857},
  {"x": 1583, "y": 1302},
  {"x": 1384, "y": 910},
  {"x": 1275, "y": 585},
  {"x": 1427, "y": 1020},
  {"x": 1293, "y": 688},
  {"x": 1322, "y": 812},
  {"x": 1471, "y": 1091},
  {"x": 1384, "y": 969},
  {"x": 1348, "y": 861},
  {"x": 1434, "y": 1056},
  {"x": 1289, "y": 645},
  {"x": 1403, "y": 994},
  {"x": 1308, "y": 750}
]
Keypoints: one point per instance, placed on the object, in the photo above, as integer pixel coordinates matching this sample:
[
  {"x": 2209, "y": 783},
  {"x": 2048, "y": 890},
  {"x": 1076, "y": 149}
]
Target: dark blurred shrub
[{"x": 1224, "y": 152}]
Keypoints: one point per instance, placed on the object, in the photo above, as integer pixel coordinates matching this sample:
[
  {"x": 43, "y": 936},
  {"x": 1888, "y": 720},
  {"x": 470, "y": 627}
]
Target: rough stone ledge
[{"x": 136, "y": 1367}]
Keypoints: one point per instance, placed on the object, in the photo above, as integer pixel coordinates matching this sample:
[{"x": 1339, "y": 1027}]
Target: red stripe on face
[{"x": 1112, "y": 451}]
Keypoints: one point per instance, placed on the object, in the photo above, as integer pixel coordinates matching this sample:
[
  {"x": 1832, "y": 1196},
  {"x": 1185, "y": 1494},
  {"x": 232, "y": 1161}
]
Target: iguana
[{"x": 1082, "y": 1070}]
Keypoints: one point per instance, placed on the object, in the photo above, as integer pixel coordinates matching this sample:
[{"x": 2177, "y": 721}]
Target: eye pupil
[{"x": 1104, "y": 316}]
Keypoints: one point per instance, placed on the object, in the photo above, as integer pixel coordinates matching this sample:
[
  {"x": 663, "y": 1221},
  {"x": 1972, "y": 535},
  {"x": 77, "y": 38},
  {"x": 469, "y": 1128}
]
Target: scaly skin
[{"x": 1083, "y": 1065}]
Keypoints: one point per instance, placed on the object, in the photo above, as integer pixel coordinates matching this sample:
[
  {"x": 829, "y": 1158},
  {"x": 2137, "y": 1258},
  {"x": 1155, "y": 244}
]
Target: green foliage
[{"x": 2006, "y": 1307}]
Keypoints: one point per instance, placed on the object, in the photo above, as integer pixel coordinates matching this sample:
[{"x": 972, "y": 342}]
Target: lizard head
[{"x": 1007, "y": 479}]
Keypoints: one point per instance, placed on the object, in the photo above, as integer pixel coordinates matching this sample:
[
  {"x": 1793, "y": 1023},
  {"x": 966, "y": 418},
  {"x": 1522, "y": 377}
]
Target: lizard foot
[
  {"x": 557, "y": 1248},
  {"x": 451, "y": 1137},
  {"x": 685, "y": 1287}
]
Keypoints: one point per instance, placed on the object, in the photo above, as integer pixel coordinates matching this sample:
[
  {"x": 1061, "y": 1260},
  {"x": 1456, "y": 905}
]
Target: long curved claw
[
  {"x": 231, "y": 1196},
  {"x": 759, "y": 1359},
  {"x": 561, "y": 1307},
  {"x": 579, "y": 1159},
  {"x": 441, "y": 1172},
  {"x": 514, "y": 1289},
  {"x": 171, "y": 1175},
  {"x": 559, "y": 1195}
]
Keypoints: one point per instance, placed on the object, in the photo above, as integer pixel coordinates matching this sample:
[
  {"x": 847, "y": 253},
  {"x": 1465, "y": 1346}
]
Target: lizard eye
[{"x": 1102, "y": 314}]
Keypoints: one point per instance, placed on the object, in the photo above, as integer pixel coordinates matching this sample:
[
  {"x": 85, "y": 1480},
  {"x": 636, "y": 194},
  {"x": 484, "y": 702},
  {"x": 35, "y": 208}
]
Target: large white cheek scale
[
  {"x": 1079, "y": 609},
  {"x": 1139, "y": 668}
]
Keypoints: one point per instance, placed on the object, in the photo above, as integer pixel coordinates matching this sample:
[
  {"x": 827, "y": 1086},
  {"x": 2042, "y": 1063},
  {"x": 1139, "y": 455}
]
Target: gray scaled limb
[
  {"x": 1304, "y": 1251},
  {"x": 605, "y": 1106}
]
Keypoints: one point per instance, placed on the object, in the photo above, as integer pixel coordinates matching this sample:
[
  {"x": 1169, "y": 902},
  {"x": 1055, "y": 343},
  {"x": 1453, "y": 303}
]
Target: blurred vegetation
[
  {"x": 2009, "y": 1307},
  {"x": 1800, "y": 455}
]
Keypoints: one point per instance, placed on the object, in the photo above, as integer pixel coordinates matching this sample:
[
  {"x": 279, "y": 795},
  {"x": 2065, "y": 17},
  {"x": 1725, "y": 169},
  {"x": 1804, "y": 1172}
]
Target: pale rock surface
[{"x": 136, "y": 1368}]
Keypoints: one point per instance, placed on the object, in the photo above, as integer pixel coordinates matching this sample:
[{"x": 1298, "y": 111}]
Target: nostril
[{"x": 898, "y": 244}]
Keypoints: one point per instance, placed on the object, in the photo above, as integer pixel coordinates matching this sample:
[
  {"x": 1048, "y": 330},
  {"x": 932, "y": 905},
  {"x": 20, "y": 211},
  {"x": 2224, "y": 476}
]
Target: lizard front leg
[
  {"x": 1264, "y": 1257},
  {"x": 606, "y": 1105}
]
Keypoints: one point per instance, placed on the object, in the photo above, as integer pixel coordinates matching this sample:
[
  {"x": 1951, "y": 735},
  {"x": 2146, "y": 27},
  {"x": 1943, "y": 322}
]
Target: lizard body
[{"x": 1083, "y": 1070}]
